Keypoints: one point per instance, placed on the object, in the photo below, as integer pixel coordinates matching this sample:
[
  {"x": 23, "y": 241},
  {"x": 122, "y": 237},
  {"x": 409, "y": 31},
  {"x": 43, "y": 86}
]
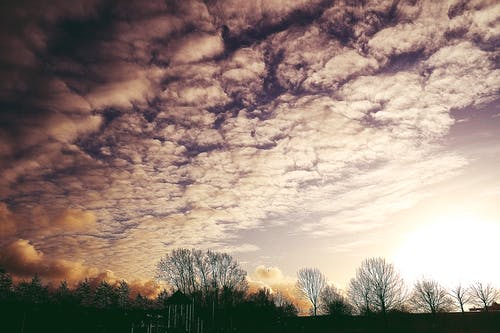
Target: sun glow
[{"x": 458, "y": 248}]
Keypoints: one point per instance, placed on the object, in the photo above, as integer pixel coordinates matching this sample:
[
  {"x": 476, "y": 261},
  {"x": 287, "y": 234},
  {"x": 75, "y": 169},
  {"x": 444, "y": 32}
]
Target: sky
[{"x": 288, "y": 134}]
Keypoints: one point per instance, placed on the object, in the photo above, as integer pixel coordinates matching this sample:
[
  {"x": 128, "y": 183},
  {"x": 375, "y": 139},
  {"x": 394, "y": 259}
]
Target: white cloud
[{"x": 196, "y": 47}]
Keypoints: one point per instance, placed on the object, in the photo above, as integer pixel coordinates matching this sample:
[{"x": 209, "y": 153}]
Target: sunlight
[{"x": 451, "y": 249}]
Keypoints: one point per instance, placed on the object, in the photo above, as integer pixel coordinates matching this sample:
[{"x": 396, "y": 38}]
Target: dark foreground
[
  {"x": 404, "y": 323},
  {"x": 53, "y": 320}
]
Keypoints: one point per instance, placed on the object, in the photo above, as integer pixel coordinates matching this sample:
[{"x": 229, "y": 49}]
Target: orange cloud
[
  {"x": 274, "y": 279},
  {"x": 145, "y": 287},
  {"x": 75, "y": 219},
  {"x": 23, "y": 261}
]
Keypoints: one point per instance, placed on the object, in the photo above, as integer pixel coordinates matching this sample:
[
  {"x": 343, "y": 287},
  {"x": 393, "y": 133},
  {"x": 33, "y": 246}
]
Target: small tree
[
  {"x": 63, "y": 295},
  {"x": 285, "y": 306},
  {"x": 162, "y": 298},
  {"x": 483, "y": 294},
  {"x": 333, "y": 303},
  {"x": 84, "y": 293},
  {"x": 33, "y": 292},
  {"x": 105, "y": 296},
  {"x": 461, "y": 295},
  {"x": 123, "y": 294},
  {"x": 310, "y": 283},
  {"x": 430, "y": 296},
  {"x": 142, "y": 303},
  {"x": 6, "y": 286}
]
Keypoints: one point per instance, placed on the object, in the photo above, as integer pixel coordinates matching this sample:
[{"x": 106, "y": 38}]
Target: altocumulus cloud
[{"x": 130, "y": 128}]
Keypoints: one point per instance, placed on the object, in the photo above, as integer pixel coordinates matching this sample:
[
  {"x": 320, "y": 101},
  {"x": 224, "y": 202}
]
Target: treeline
[
  {"x": 90, "y": 306},
  {"x": 101, "y": 306},
  {"x": 218, "y": 287},
  {"x": 378, "y": 288},
  {"x": 211, "y": 290}
]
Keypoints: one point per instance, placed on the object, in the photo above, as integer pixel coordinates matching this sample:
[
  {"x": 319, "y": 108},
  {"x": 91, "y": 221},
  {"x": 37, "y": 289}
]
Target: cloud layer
[{"x": 129, "y": 129}]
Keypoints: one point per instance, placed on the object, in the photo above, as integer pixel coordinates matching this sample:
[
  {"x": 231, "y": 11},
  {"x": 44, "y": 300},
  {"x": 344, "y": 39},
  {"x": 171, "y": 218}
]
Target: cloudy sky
[{"x": 288, "y": 133}]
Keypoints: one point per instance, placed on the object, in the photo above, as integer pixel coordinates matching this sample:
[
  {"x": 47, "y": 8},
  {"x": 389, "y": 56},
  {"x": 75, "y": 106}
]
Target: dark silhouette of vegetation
[
  {"x": 212, "y": 296},
  {"x": 377, "y": 287},
  {"x": 213, "y": 280},
  {"x": 461, "y": 295},
  {"x": 334, "y": 303},
  {"x": 429, "y": 296},
  {"x": 483, "y": 294}
]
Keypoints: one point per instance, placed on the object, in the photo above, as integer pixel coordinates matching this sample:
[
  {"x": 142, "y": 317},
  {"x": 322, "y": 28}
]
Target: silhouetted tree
[
  {"x": 333, "y": 303},
  {"x": 84, "y": 293},
  {"x": 63, "y": 295},
  {"x": 288, "y": 309},
  {"x": 262, "y": 298},
  {"x": 285, "y": 306},
  {"x": 142, "y": 303},
  {"x": 430, "y": 296},
  {"x": 177, "y": 268},
  {"x": 6, "y": 286},
  {"x": 122, "y": 294},
  {"x": 483, "y": 294},
  {"x": 33, "y": 292},
  {"x": 105, "y": 296},
  {"x": 359, "y": 294},
  {"x": 310, "y": 283},
  {"x": 209, "y": 274},
  {"x": 161, "y": 299},
  {"x": 461, "y": 295},
  {"x": 262, "y": 305},
  {"x": 377, "y": 287},
  {"x": 225, "y": 272}
]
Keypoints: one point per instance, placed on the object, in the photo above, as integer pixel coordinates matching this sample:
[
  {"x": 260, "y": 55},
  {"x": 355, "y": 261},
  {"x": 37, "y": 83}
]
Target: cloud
[
  {"x": 130, "y": 84},
  {"x": 340, "y": 68},
  {"x": 131, "y": 129},
  {"x": 241, "y": 17},
  {"x": 273, "y": 279},
  {"x": 196, "y": 47},
  {"x": 23, "y": 260},
  {"x": 238, "y": 248},
  {"x": 42, "y": 221},
  {"x": 75, "y": 219},
  {"x": 268, "y": 275},
  {"x": 8, "y": 224},
  {"x": 147, "y": 287}
]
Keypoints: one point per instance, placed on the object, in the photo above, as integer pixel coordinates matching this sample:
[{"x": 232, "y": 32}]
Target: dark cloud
[{"x": 129, "y": 125}]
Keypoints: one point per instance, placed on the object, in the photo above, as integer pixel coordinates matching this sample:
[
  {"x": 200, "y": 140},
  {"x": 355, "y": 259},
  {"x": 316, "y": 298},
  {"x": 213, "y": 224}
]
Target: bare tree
[
  {"x": 461, "y": 295},
  {"x": 197, "y": 272},
  {"x": 224, "y": 272},
  {"x": 359, "y": 294},
  {"x": 430, "y": 296},
  {"x": 483, "y": 294},
  {"x": 333, "y": 302},
  {"x": 377, "y": 286},
  {"x": 310, "y": 283}
]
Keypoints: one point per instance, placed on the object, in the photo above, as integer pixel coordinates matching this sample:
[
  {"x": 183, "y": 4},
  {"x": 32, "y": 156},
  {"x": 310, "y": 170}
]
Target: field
[{"x": 53, "y": 320}]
